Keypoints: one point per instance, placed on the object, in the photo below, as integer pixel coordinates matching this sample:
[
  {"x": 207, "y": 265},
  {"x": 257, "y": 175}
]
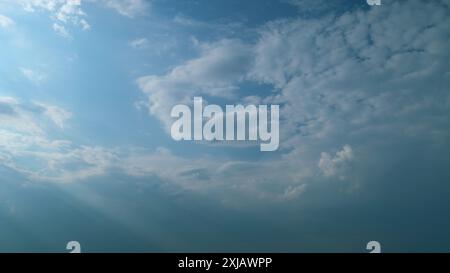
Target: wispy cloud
[
  {"x": 25, "y": 136},
  {"x": 62, "y": 31},
  {"x": 70, "y": 13},
  {"x": 56, "y": 114},
  {"x": 139, "y": 43},
  {"x": 129, "y": 8},
  {"x": 34, "y": 76},
  {"x": 6, "y": 22},
  {"x": 27, "y": 146}
]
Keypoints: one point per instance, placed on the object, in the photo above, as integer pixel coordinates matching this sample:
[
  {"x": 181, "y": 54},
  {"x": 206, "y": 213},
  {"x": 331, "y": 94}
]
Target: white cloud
[
  {"x": 336, "y": 165},
  {"x": 293, "y": 192},
  {"x": 359, "y": 74},
  {"x": 228, "y": 178},
  {"x": 26, "y": 145},
  {"x": 129, "y": 8},
  {"x": 32, "y": 75},
  {"x": 139, "y": 43},
  {"x": 30, "y": 118},
  {"x": 62, "y": 31},
  {"x": 6, "y": 22},
  {"x": 56, "y": 114},
  {"x": 70, "y": 13},
  {"x": 64, "y": 13}
]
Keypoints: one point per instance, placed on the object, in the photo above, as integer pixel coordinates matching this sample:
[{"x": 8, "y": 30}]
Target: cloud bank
[{"x": 349, "y": 85}]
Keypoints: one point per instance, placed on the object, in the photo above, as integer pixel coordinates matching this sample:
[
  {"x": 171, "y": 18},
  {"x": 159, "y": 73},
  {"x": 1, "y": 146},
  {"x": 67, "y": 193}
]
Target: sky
[{"x": 86, "y": 90}]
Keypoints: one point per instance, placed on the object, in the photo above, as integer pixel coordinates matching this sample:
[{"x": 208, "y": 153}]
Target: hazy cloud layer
[{"x": 344, "y": 83}]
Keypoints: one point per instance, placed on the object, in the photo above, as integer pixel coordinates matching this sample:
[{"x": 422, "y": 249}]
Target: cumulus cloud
[
  {"x": 360, "y": 74},
  {"x": 352, "y": 78},
  {"x": 62, "y": 12},
  {"x": 336, "y": 165},
  {"x": 330, "y": 65}
]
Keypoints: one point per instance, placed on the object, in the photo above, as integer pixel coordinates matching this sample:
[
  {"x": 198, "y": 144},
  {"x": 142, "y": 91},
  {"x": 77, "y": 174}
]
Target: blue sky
[{"x": 86, "y": 89}]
